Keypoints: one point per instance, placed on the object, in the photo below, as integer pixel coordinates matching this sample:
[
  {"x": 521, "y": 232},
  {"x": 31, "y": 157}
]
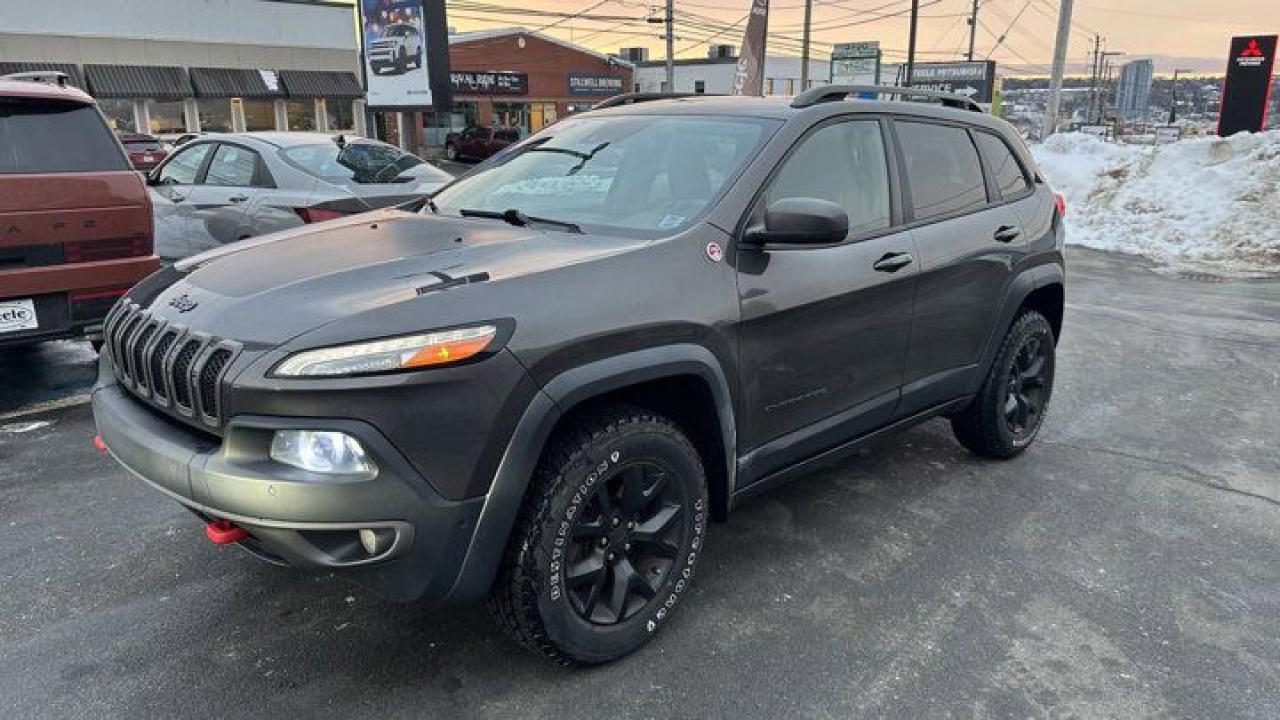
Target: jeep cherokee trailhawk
[{"x": 539, "y": 386}]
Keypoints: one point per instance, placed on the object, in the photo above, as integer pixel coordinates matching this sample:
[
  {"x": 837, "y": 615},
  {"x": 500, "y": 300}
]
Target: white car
[{"x": 399, "y": 45}]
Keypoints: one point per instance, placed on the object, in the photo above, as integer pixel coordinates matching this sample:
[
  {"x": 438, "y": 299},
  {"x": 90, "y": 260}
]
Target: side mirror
[{"x": 802, "y": 221}]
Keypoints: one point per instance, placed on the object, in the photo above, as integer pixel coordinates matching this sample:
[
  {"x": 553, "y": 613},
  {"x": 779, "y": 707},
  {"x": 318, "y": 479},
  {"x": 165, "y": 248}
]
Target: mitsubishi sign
[
  {"x": 975, "y": 80},
  {"x": 1247, "y": 90}
]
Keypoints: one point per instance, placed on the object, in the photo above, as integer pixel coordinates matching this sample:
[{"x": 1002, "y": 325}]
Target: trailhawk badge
[{"x": 714, "y": 252}]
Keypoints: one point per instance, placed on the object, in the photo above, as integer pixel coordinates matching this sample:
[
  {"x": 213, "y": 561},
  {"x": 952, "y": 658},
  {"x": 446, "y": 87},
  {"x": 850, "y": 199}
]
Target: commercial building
[
  {"x": 168, "y": 67},
  {"x": 714, "y": 74},
  {"x": 522, "y": 79},
  {"x": 1134, "y": 91}
]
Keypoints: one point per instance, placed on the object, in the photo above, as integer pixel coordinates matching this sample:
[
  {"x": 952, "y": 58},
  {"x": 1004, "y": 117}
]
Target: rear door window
[
  {"x": 183, "y": 167},
  {"x": 1010, "y": 178},
  {"x": 943, "y": 169},
  {"x": 232, "y": 166},
  {"x": 53, "y": 136}
]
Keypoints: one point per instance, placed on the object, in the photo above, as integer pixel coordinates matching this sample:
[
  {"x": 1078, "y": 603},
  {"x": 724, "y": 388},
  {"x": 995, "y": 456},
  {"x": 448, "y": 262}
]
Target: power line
[{"x": 1001, "y": 38}]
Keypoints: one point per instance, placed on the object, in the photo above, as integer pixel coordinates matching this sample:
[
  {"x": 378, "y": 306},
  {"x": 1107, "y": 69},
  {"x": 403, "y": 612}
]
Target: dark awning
[
  {"x": 234, "y": 82},
  {"x": 321, "y": 84},
  {"x": 71, "y": 71},
  {"x": 138, "y": 81}
]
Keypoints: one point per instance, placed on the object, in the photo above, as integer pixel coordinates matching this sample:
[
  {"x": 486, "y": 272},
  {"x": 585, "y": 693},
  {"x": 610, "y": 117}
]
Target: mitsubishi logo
[
  {"x": 1252, "y": 50},
  {"x": 1252, "y": 55}
]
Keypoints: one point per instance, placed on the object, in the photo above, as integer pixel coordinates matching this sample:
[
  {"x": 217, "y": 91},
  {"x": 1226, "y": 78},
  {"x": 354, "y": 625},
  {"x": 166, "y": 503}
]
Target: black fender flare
[
  {"x": 560, "y": 395},
  {"x": 1025, "y": 283}
]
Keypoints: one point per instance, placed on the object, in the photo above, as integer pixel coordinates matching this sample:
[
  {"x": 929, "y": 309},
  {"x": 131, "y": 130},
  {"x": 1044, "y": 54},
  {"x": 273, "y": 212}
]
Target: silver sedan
[{"x": 221, "y": 188}]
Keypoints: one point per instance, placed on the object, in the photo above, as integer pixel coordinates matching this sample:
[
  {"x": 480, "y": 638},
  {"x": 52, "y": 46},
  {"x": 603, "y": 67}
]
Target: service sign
[
  {"x": 975, "y": 80},
  {"x": 603, "y": 85},
  {"x": 1248, "y": 86},
  {"x": 405, "y": 48},
  {"x": 465, "y": 82}
]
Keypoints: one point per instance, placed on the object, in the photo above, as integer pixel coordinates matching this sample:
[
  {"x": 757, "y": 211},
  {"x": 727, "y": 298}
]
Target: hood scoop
[{"x": 447, "y": 282}]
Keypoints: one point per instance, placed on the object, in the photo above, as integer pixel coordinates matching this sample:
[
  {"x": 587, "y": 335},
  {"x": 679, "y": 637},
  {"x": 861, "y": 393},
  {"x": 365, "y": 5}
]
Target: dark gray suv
[{"x": 542, "y": 385}]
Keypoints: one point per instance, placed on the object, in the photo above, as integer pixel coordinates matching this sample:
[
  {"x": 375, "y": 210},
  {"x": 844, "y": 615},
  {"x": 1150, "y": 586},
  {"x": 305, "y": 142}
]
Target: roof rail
[
  {"x": 639, "y": 97},
  {"x": 48, "y": 77},
  {"x": 834, "y": 93}
]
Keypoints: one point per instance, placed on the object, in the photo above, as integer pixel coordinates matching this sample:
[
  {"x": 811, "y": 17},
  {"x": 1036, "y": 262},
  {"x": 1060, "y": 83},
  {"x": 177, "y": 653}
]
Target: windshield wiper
[
  {"x": 583, "y": 156},
  {"x": 513, "y": 216}
]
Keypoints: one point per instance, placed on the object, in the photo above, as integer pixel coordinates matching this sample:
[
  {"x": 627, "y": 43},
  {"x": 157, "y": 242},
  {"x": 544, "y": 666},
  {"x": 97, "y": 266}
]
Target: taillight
[
  {"x": 1061, "y": 202},
  {"x": 94, "y": 250},
  {"x": 314, "y": 215}
]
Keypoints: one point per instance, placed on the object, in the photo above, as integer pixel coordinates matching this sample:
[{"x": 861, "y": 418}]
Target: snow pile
[{"x": 1203, "y": 201}]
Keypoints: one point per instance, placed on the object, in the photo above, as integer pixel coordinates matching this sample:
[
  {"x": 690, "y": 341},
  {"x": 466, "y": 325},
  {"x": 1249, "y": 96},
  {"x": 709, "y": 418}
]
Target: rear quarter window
[
  {"x": 55, "y": 136},
  {"x": 1010, "y": 178}
]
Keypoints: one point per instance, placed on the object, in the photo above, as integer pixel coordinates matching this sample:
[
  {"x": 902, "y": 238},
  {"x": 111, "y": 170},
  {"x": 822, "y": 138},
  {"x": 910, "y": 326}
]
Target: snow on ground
[{"x": 1204, "y": 202}]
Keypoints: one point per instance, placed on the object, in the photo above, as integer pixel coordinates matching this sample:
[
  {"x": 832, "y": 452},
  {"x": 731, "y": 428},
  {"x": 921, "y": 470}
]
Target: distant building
[
  {"x": 1134, "y": 91},
  {"x": 713, "y": 74}
]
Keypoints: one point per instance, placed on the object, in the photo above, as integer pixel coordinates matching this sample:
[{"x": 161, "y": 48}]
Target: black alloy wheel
[
  {"x": 1027, "y": 387},
  {"x": 624, "y": 544}
]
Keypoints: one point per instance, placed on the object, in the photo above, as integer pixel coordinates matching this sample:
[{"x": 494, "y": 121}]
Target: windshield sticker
[{"x": 671, "y": 221}]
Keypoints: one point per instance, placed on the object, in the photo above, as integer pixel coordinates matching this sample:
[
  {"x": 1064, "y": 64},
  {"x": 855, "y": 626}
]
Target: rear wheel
[
  {"x": 451, "y": 151},
  {"x": 1007, "y": 414},
  {"x": 607, "y": 541}
]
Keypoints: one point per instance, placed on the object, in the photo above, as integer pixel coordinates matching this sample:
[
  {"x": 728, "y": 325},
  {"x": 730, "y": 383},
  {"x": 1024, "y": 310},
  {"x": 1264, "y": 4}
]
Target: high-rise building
[{"x": 1134, "y": 90}]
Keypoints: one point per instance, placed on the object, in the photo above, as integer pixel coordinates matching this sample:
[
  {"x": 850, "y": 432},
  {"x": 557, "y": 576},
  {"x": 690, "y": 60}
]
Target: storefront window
[
  {"x": 466, "y": 113},
  {"x": 259, "y": 115},
  {"x": 215, "y": 114},
  {"x": 166, "y": 117},
  {"x": 512, "y": 115},
  {"x": 340, "y": 115},
  {"x": 302, "y": 114},
  {"x": 119, "y": 114}
]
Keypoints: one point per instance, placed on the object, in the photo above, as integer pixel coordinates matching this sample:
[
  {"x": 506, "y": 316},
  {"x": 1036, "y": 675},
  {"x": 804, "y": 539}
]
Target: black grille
[
  {"x": 181, "y": 368},
  {"x": 160, "y": 387},
  {"x": 173, "y": 369},
  {"x": 209, "y": 376}
]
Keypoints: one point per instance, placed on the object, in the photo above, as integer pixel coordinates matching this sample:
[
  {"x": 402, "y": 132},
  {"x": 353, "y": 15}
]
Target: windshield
[
  {"x": 648, "y": 173},
  {"x": 361, "y": 162}
]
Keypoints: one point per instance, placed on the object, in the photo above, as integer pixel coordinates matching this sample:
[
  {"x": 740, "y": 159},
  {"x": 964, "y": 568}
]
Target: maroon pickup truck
[{"x": 478, "y": 143}]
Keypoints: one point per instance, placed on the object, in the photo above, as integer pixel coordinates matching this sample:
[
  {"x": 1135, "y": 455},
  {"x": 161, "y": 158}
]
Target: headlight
[
  {"x": 401, "y": 353},
  {"x": 321, "y": 451}
]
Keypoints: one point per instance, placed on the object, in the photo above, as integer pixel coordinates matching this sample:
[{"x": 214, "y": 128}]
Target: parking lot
[{"x": 1125, "y": 566}]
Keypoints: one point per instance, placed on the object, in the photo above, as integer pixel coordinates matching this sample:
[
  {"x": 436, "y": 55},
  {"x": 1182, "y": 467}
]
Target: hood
[{"x": 273, "y": 288}]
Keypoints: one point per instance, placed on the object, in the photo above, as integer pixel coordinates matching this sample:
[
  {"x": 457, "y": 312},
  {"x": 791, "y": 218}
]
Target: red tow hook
[
  {"x": 99, "y": 444},
  {"x": 224, "y": 532}
]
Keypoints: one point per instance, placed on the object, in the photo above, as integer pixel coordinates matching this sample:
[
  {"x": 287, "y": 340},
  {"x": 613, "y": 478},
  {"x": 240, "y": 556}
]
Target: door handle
[
  {"x": 238, "y": 198},
  {"x": 177, "y": 198},
  {"x": 1008, "y": 233},
  {"x": 893, "y": 262}
]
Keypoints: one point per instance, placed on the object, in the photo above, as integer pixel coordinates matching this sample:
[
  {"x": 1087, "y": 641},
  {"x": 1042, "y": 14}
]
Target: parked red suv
[
  {"x": 145, "y": 152},
  {"x": 478, "y": 143},
  {"x": 75, "y": 218}
]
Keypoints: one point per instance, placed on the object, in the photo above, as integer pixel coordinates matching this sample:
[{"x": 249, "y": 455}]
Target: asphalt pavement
[{"x": 1126, "y": 566}]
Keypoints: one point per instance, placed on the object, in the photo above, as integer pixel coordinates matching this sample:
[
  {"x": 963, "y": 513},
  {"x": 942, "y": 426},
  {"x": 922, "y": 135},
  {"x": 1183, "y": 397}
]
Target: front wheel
[
  {"x": 607, "y": 541},
  {"x": 1007, "y": 414}
]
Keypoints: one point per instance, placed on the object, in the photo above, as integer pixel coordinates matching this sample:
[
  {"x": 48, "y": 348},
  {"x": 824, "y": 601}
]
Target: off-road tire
[
  {"x": 983, "y": 427},
  {"x": 533, "y": 598}
]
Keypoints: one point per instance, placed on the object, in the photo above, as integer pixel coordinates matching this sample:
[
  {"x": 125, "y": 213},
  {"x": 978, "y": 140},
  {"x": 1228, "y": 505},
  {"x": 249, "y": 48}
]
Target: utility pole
[
  {"x": 1173, "y": 103},
  {"x": 1093, "y": 78},
  {"x": 911, "y": 44},
  {"x": 1059, "y": 68},
  {"x": 670, "y": 20},
  {"x": 804, "y": 47},
  {"x": 973, "y": 29}
]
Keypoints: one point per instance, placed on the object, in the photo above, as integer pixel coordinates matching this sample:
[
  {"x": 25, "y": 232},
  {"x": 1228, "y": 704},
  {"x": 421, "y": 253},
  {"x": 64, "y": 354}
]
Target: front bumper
[{"x": 294, "y": 517}]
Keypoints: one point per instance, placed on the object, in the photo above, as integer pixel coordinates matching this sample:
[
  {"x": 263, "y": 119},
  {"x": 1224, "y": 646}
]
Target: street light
[{"x": 1173, "y": 104}]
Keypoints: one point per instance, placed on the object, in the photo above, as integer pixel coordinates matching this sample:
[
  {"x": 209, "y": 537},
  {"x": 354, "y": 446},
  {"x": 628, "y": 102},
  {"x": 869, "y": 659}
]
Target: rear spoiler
[{"x": 47, "y": 77}]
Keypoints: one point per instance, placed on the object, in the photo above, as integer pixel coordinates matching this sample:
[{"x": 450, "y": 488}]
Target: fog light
[
  {"x": 376, "y": 542},
  {"x": 321, "y": 451}
]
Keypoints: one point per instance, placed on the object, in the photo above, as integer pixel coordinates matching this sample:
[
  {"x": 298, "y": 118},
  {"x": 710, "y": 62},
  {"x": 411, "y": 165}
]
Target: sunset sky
[{"x": 1190, "y": 34}]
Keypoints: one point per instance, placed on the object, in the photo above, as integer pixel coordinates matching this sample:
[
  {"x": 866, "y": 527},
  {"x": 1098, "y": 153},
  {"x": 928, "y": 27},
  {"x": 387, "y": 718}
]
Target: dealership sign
[
  {"x": 594, "y": 84},
  {"x": 856, "y": 63},
  {"x": 1247, "y": 90},
  {"x": 405, "y": 49},
  {"x": 975, "y": 80},
  {"x": 489, "y": 83}
]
